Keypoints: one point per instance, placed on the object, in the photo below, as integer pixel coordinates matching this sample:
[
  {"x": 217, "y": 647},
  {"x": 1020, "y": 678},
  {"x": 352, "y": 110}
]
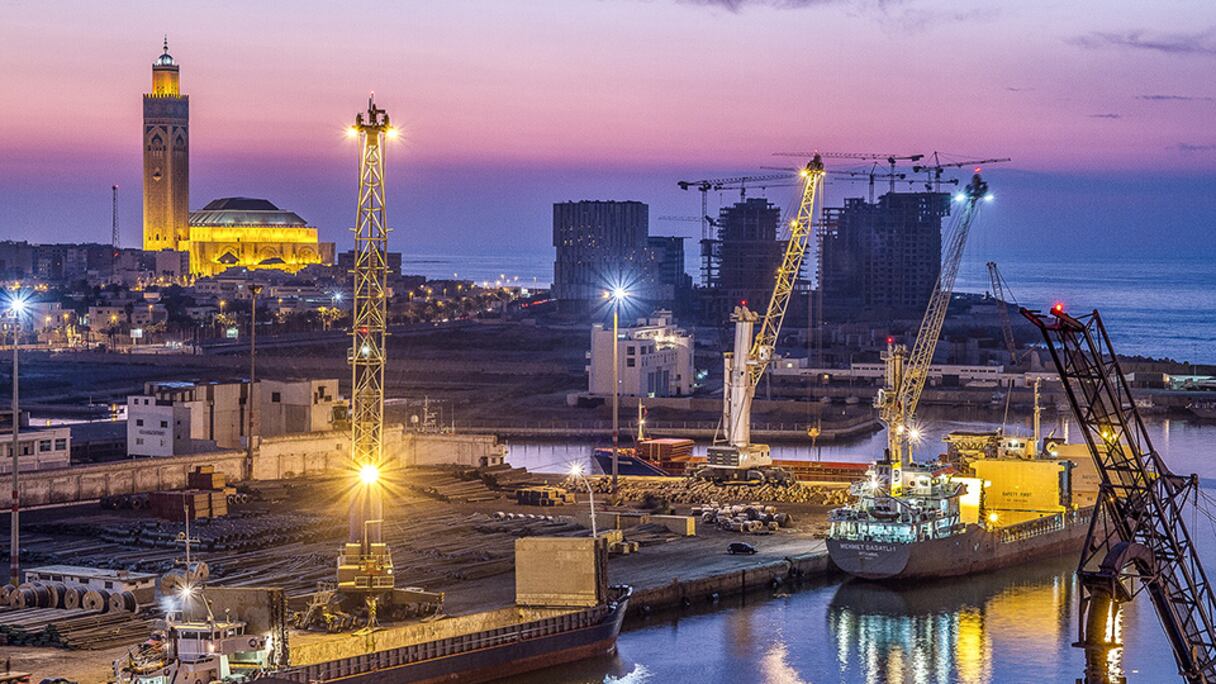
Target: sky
[{"x": 1106, "y": 109}]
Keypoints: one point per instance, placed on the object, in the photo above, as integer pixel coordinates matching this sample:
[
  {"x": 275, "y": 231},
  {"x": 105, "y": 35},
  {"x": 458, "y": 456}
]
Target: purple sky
[{"x": 510, "y": 106}]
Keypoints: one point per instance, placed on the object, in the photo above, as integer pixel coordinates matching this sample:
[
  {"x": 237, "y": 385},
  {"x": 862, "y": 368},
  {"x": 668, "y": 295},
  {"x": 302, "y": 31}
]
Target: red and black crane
[{"x": 1138, "y": 538}]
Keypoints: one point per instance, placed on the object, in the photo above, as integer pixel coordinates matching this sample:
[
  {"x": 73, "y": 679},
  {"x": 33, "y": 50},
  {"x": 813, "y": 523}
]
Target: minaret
[{"x": 166, "y": 158}]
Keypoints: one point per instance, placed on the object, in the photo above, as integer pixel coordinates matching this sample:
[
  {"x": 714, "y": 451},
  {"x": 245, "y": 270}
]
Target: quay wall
[
  {"x": 705, "y": 589},
  {"x": 277, "y": 458}
]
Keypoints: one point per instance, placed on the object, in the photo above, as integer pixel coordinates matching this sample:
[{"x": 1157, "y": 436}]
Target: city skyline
[{"x": 507, "y": 109}]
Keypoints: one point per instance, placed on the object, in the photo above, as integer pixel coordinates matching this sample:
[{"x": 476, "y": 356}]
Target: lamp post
[
  {"x": 576, "y": 470},
  {"x": 617, "y": 295},
  {"x": 254, "y": 291},
  {"x": 15, "y": 309}
]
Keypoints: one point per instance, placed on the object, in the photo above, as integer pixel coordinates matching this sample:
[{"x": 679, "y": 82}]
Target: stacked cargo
[
  {"x": 544, "y": 496},
  {"x": 193, "y": 504},
  {"x": 205, "y": 477}
]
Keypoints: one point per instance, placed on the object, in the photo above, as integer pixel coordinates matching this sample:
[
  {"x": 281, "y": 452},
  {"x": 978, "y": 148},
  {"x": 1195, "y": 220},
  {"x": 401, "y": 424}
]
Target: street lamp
[
  {"x": 17, "y": 305},
  {"x": 254, "y": 291},
  {"x": 616, "y": 295},
  {"x": 576, "y": 470}
]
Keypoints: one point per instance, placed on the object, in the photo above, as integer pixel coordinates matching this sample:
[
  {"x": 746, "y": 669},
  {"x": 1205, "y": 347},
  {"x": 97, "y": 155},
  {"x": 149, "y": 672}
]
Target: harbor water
[{"x": 1012, "y": 626}]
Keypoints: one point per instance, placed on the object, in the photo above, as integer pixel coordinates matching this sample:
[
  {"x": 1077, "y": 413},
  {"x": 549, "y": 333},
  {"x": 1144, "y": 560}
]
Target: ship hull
[
  {"x": 972, "y": 551},
  {"x": 477, "y": 665}
]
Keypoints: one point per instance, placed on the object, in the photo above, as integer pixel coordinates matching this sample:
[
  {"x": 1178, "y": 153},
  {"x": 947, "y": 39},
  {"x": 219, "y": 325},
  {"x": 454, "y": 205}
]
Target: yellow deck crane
[
  {"x": 906, "y": 373},
  {"x": 733, "y": 457}
]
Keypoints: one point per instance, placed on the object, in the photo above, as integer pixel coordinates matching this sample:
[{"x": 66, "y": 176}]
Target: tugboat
[{"x": 195, "y": 651}]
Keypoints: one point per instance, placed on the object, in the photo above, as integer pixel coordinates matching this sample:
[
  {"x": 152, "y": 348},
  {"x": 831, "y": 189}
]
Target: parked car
[{"x": 736, "y": 548}]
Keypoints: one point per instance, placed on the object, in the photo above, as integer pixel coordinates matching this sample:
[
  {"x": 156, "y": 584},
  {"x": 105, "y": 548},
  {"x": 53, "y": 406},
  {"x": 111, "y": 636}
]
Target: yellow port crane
[
  {"x": 906, "y": 373},
  {"x": 734, "y": 457}
]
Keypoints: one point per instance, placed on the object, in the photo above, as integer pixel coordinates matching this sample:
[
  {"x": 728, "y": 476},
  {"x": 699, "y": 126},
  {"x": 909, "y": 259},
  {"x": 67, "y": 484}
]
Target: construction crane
[
  {"x": 933, "y": 177},
  {"x": 1138, "y": 539},
  {"x": 739, "y": 183},
  {"x": 906, "y": 374},
  {"x": 735, "y": 458},
  {"x": 999, "y": 287},
  {"x": 891, "y": 159},
  {"x": 114, "y": 236}
]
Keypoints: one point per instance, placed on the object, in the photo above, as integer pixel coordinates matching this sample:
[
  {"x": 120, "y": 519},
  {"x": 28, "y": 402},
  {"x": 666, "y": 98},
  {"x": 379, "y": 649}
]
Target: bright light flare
[
  {"x": 392, "y": 133},
  {"x": 576, "y": 470},
  {"x": 960, "y": 197},
  {"x": 989, "y": 197},
  {"x": 369, "y": 474},
  {"x": 914, "y": 435},
  {"x": 352, "y": 132},
  {"x": 17, "y": 304}
]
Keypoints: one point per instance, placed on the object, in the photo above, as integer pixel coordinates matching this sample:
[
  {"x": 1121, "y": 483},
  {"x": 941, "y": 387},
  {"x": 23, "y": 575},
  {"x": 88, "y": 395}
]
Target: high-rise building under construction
[
  {"x": 880, "y": 260},
  {"x": 738, "y": 265}
]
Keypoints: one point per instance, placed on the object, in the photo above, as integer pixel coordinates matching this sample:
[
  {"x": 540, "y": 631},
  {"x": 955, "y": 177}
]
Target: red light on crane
[
  {"x": 890, "y": 340},
  {"x": 1057, "y": 308},
  {"x": 742, "y": 302}
]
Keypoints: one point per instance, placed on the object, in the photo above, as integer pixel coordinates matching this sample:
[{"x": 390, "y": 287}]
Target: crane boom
[
  {"x": 906, "y": 379},
  {"x": 1002, "y": 308},
  {"x": 745, "y": 365},
  {"x": 1139, "y": 531},
  {"x": 765, "y": 344}
]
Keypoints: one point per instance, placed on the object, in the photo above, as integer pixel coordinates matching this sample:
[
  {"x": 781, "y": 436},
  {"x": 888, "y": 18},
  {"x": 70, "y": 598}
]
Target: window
[
  {"x": 630, "y": 350},
  {"x": 630, "y": 363},
  {"x": 139, "y": 422},
  {"x": 44, "y": 445},
  {"x": 61, "y": 444},
  {"x": 139, "y": 441},
  {"x": 276, "y": 397},
  {"x": 109, "y": 584},
  {"x": 164, "y": 423}
]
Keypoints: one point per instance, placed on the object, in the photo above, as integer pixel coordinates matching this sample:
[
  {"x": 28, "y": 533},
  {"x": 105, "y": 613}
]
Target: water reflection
[{"x": 948, "y": 631}]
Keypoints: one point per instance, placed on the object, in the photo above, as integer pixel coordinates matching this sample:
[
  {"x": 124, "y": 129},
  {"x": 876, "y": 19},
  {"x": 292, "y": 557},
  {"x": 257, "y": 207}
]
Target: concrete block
[{"x": 560, "y": 571}]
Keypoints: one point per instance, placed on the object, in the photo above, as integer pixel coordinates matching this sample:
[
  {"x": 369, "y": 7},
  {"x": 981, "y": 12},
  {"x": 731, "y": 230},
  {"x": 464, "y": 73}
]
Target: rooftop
[{"x": 244, "y": 211}]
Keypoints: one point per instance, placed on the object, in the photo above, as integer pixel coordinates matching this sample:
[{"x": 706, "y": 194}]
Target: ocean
[{"x": 1152, "y": 307}]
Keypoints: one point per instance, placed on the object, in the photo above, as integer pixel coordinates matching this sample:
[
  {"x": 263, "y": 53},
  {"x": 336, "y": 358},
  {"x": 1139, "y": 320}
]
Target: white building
[
  {"x": 655, "y": 357},
  {"x": 174, "y": 418},
  {"x": 39, "y": 448}
]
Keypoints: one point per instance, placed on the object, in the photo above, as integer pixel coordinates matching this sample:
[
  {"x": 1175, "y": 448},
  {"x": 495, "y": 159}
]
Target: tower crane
[
  {"x": 933, "y": 172},
  {"x": 735, "y": 457},
  {"x": 998, "y": 293},
  {"x": 906, "y": 374},
  {"x": 1138, "y": 531},
  {"x": 891, "y": 159},
  {"x": 704, "y": 186}
]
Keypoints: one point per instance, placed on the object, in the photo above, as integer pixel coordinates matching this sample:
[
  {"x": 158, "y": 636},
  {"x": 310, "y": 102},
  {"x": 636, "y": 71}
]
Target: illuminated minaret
[{"x": 166, "y": 158}]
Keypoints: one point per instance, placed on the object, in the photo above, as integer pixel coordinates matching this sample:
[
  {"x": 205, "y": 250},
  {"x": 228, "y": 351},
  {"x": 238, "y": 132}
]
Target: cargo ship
[
  {"x": 938, "y": 526},
  {"x": 474, "y": 648}
]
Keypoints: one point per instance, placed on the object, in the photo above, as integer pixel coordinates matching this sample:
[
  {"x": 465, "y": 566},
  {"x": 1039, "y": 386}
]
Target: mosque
[{"x": 228, "y": 232}]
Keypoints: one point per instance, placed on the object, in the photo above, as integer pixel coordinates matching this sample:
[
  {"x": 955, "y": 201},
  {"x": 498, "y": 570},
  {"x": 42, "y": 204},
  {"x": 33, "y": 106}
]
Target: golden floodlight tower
[{"x": 366, "y": 563}]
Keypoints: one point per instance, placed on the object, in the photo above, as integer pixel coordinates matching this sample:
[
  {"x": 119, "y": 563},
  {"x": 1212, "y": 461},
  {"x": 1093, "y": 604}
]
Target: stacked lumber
[
  {"x": 543, "y": 496},
  {"x": 192, "y": 503}
]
